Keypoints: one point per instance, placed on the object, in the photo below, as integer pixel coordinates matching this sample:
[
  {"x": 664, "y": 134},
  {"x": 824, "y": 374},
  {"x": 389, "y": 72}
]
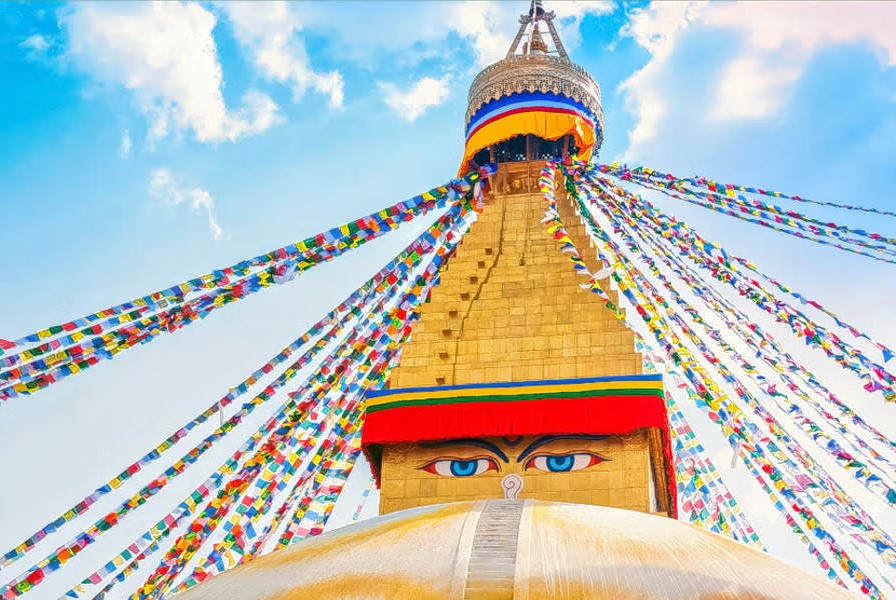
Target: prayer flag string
[
  {"x": 55, "y": 358},
  {"x": 878, "y": 539},
  {"x": 767, "y": 215},
  {"x": 334, "y": 320},
  {"x": 166, "y": 573},
  {"x": 868, "y": 477},
  {"x": 728, "y": 188},
  {"x": 703, "y": 496},
  {"x": 446, "y": 230},
  {"x": 712, "y": 257},
  {"x": 733, "y": 421}
]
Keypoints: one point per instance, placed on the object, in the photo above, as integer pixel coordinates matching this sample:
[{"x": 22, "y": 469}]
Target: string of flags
[
  {"x": 711, "y": 257},
  {"x": 54, "y": 353},
  {"x": 324, "y": 331},
  {"x": 692, "y": 305},
  {"x": 315, "y": 504},
  {"x": 730, "y": 190},
  {"x": 363, "y": 502},
  {"x": 791, "y": 488},
  {"x": 716, "y": 364},
  {"x": 766, "y": 215},
  {"x": 869, "y": 477},
  {"x": 627, "y": 286},
  {"x": 447, "y": 230},
  {"x": 703, "y": 496}
]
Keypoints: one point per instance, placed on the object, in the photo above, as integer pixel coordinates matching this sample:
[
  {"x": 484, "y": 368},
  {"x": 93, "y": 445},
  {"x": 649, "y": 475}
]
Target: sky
[{"x": 142, "y": 144}]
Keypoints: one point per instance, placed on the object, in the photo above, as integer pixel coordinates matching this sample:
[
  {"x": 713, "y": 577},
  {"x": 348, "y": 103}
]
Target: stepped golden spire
[
  {"x": 509, "y": 326},
  {"x": 535, "y": 93}
]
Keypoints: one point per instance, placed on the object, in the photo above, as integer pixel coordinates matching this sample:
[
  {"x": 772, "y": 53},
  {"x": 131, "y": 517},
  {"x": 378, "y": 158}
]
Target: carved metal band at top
[{"x": 535, "y": 73}]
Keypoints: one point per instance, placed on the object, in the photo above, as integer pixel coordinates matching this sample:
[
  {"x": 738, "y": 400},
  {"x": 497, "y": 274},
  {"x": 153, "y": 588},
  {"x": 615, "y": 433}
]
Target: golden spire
[
  {"x": 531, "y": 30},
  {"x": 537, "y": 44}
]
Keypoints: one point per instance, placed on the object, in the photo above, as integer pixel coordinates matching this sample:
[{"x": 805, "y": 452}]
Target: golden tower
[{"x": 509, "y": 320}]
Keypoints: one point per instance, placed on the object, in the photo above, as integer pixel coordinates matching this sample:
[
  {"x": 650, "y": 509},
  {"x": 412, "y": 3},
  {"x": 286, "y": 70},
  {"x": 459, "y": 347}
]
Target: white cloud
[
  {"x": 269, "y": 32},
  {"x": 259, "y": 113},
  {"x": 775, "y": 42},
  {"x": 776, "y": 52},
  {"x": 570, "y": 15},
  {"x": 751, "y": 89},
  {"x": 124, "y": 150},
  {"x": 419, "y": 29},
  {"x": 36, "y": 44},
  {"x": 164, "y": 186},
  {"x": 577, "y": 10},
  {"x": 165, "y": 54},
  {"x": 490, "y": 26},
  {"x": 419, "y": 98},
  {"x": 656, "y": 29},
  {"x": 807, "y": 27}
]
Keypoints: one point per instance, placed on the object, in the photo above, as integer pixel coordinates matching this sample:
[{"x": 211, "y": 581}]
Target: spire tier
[{"x": 535, "y": 91}]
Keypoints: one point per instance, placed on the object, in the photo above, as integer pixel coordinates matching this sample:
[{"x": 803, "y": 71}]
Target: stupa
[
  {"x": 511, "y": 354},
  {"x": 519, "y": 448}
]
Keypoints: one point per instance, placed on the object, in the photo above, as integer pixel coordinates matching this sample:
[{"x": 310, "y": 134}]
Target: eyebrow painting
[
  {"x": 554, "y": 438},
  {"x": 479, "y": 443},
  {"x": 494, "y": 449}
]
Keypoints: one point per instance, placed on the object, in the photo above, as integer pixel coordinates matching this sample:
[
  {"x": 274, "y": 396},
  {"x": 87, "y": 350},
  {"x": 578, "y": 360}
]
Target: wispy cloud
[
  {"x": 124, "y": 149},
  {"x": 416, "y": 100},
  {"x": 772, "y": 54},
  {"x": 164, "y": 186},
  {"x": 367, "y": 29},
  {"x": 656, "y": 29},
  {"x": 270, "y": 34},
  {"x": 164, "y": 53},
  {"x": 35, "y": 43},
  {"x": 775, "y": 52},
  {"x": 490, "y": 26},
  {"x": 39, "y": 48}
]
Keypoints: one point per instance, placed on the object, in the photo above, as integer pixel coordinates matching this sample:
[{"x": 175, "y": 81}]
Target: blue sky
[{"x": 141, "y": 144}]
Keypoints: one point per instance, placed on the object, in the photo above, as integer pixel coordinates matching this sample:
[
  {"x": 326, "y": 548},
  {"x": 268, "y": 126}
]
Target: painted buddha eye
[
  {"x": 563, "y": 463},
  {"x": 455, "y": 467}
]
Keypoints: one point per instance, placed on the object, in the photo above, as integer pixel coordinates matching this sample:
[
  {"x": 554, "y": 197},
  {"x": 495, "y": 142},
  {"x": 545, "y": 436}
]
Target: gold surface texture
[
  {"x": 622, "y": 481},
  {"x": 509, "y": 308},
  {"x": 556, "y": 551}
]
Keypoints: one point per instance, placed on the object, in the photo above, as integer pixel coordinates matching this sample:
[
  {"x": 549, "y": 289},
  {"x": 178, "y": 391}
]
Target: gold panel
[
  {"x": 619, "y": 477},
  {"x": 509, "y": 306}
]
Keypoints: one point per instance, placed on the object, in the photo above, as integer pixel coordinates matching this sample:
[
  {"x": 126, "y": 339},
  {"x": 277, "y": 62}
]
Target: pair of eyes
[{"x": 549, "y": 463}]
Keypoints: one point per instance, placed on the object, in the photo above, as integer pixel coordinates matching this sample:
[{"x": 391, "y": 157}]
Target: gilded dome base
[{"x": 518, "y": 549}]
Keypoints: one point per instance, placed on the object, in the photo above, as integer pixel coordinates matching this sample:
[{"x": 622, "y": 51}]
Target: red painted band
[{"x": 596, "y": 415}]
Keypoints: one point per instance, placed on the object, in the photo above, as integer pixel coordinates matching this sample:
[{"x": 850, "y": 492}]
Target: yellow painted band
[{"x": 547, "y": 125}]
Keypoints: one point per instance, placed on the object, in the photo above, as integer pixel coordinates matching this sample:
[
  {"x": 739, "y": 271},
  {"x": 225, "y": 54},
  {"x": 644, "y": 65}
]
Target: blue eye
[
  {"x": 563, "y": 463},
  {"x": 455, "y": 467},
  {"x": 463, "y": 468},
  {"x": 560, "y": 463}
]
